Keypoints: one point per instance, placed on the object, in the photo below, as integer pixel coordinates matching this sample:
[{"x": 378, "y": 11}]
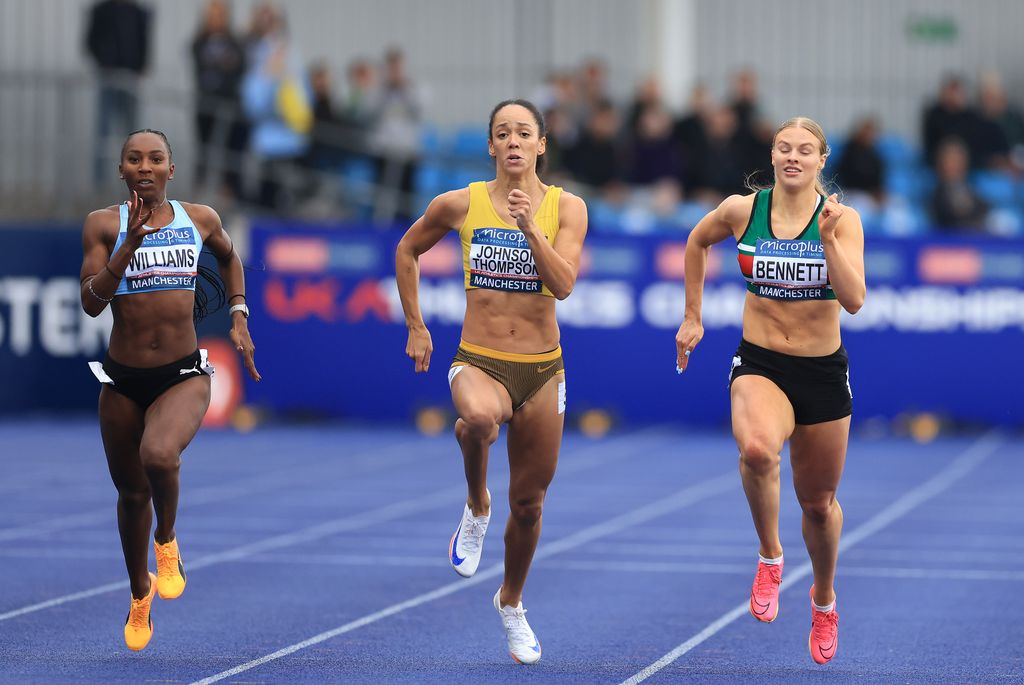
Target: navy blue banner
[
  {"x": 46, "y": 339},
  {"x": 940, "y": 331}
]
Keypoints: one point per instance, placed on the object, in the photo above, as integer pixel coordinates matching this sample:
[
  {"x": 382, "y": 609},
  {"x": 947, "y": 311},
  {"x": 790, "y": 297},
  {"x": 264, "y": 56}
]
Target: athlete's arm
[
  {"x": 558, "y": 265},
  {"x": 445, "y": 211},
  {"x": 229, "y": 265},
  {"x": 102, "y": 272},
  {"x": 716, "y": 226},
  {"x": 842, "y": 238}
]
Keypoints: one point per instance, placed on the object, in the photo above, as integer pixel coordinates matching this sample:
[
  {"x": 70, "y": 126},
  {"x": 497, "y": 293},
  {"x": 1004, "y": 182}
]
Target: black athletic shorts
[
  {"x": 817, "y": 387},
  {"x": 143, "y": 386}
]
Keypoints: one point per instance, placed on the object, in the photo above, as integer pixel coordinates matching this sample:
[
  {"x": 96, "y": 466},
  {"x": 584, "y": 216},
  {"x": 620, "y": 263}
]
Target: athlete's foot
[
  {"x": 170, "y": 572},
  {"x": 824, "y": 637},
  {"x": 467, "y": 543},
  {"x": 523, "y": 645},
  {"x": 138, "y": 627},
  {"x": 764, "y": 594}
]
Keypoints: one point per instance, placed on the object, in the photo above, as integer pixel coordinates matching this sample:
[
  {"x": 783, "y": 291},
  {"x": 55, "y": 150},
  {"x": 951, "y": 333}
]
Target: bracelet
[
  {"x": 94, "y": 294},
  {"x": 231, "y": 297},
  {"x": 111, "y": 272}
]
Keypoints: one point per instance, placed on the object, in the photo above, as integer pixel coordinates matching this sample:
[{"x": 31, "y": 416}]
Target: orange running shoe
[
  {"x": 170, "y": 573},
  {"x": 138, "y": 627},
  {"x": 824, "y": 637},
  {"x": 764, "y": 594}
]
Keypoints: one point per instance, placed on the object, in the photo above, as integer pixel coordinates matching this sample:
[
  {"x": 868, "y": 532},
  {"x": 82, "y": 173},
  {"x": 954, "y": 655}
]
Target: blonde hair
[{"x": 814, "y": 127}]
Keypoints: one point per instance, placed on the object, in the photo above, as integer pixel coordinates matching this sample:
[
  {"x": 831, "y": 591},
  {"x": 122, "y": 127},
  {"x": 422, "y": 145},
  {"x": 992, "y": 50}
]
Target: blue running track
[{"x": 318, "y": 555}]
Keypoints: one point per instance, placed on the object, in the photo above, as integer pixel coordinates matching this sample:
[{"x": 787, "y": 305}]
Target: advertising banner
[{"x": 939, "y": 332}]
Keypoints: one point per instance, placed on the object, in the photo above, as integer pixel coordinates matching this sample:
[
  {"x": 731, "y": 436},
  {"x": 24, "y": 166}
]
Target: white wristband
[{"x": 239, "y": 308}]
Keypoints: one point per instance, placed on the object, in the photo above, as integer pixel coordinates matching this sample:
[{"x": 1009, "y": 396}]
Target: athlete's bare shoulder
[
  {"x": 569, "y": 201},
  {"x": 449, "y": 209},
  {"x": 104, "y": 221},
  {"x": 204, "y": 217},
  {"x": 735, "y": 209}
]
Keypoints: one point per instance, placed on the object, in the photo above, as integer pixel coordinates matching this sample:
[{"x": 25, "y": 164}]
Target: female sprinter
[
  {"x": 802, "y": 254},
  {"x": 142, "y": 258},
  {"x": 521, "y": 244}
]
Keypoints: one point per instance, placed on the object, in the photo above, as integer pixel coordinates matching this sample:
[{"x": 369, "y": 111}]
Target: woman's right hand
[
  {"x": 138, "y": 215},
  {"x": 687, "y": 338},
  {"x": 419, "y": 347}
]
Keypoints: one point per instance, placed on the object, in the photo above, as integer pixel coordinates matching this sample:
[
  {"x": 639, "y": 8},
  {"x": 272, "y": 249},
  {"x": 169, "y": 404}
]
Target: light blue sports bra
[{"x": 166, "y": 260}]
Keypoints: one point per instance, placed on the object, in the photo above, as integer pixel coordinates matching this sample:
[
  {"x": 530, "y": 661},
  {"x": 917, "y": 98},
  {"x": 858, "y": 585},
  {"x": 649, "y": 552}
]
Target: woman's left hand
[
  {"x": 242, "y": 341},
  {"x": 828, "y": 219}
]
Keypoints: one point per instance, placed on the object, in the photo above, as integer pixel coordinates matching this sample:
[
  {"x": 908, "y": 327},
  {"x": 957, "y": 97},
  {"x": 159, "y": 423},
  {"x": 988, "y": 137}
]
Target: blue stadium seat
[
  {"x": 431, "y": 142},
  {"x": 470, "y": 142},
  {"x": 897, "y": 151},
  {"x": 998, "y": 189}
]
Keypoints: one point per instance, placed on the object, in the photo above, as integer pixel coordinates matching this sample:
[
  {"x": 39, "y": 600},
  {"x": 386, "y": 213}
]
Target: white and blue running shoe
[
  {"x": 468, "y": 543},
  {"x": 523, "y": 645}
]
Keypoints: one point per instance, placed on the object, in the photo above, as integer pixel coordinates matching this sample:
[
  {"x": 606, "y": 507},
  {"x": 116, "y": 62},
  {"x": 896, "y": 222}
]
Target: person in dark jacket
[{"x": 117, "y": 38}]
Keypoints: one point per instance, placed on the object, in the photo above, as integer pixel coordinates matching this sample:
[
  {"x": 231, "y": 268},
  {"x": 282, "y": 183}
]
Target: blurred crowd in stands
[{"x": 366, "y": 151}]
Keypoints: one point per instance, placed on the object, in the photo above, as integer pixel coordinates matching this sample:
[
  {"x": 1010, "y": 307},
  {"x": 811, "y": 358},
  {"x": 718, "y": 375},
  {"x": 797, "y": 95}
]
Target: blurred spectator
[
  {"x": 717, "y": 170},
  {"x": 117, "y": 38},
  {"x": 591, "y": 93},
  {"x": 558, "y": 99},
  {"x": 753, "y": 137},
  {"x": 648, "y": 94},
  {"x": 1002, "y": 126},
  {"x": 396, "y": 138},
  {"x": 690, "y": 133},
  {"x": 277, "y": 101},
  {"x": 218, "y": 60},
  {"x": 357, "y": 110},
  {"x": 326, "y": 147},
  {"x": 861, "y": 168},
  {"x": 651, "y": 155},
  {"x": 954, "y": 205},
  {"x": 949, "y": 117},
  {"x": 594, "y": 159},
  {"x": 561, "y": 135},
  {"x": 265, "y": 20}
]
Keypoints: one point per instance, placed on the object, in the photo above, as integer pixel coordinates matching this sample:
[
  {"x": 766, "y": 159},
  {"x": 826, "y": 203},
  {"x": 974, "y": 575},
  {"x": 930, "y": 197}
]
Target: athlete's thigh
[
  {"x": 761, "y": 412},
  {"x": 121, "y": 426},
  {"x": 475, "y": 393},
  {"x": 175, "y": 416},
  {"x": 535, "y": 436},
  {"x": 818, "y": 453}
]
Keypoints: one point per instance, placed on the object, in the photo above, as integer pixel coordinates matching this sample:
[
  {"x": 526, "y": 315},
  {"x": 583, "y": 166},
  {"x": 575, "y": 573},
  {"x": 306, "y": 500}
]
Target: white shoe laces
[
  {"x": 516, "y": 627},
  {"x": 473, "y": 534}
]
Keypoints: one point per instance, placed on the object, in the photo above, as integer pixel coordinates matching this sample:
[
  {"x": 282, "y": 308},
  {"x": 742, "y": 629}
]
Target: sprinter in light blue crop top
[{"x": 142, "y": 259}]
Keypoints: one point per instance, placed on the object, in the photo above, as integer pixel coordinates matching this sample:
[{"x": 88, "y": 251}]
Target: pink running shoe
[
  {"x": 764, "y": 595},
  {"x": 824, "y": 637}
]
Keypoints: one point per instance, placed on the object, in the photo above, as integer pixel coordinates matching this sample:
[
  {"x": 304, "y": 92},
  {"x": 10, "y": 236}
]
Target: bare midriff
[{"x": 510, "y": 322}]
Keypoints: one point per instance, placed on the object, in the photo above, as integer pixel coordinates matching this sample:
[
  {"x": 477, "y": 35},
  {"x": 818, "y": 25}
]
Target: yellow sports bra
[{"x": 495, "y": 254}]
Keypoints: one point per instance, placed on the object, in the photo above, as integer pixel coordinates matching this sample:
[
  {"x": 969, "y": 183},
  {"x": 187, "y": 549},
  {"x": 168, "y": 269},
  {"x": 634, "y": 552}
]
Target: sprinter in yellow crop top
[
  {"x": 802, "y": 254},
  {"x": 521, "y": 245}
]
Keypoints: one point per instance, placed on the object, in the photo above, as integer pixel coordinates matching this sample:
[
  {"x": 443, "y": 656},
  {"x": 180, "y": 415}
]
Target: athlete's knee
[
  {"x": 758, "y": 455},
  {"x": 133, "y": 498},
  {"x": 477, "y": 425},
  {"x": 160, "y": 458},
  {"x": 818, "y": 510},
  {"x": 526, "y": 510}
]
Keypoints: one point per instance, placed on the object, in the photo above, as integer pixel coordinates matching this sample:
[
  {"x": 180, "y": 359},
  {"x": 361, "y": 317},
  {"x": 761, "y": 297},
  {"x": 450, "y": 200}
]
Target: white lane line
[
  {"x": 966, "y": 462},
  {"x": 584, "y": 565},
  {"x": 678, "y": 500},
  {"x": 615, "y": 448}
]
